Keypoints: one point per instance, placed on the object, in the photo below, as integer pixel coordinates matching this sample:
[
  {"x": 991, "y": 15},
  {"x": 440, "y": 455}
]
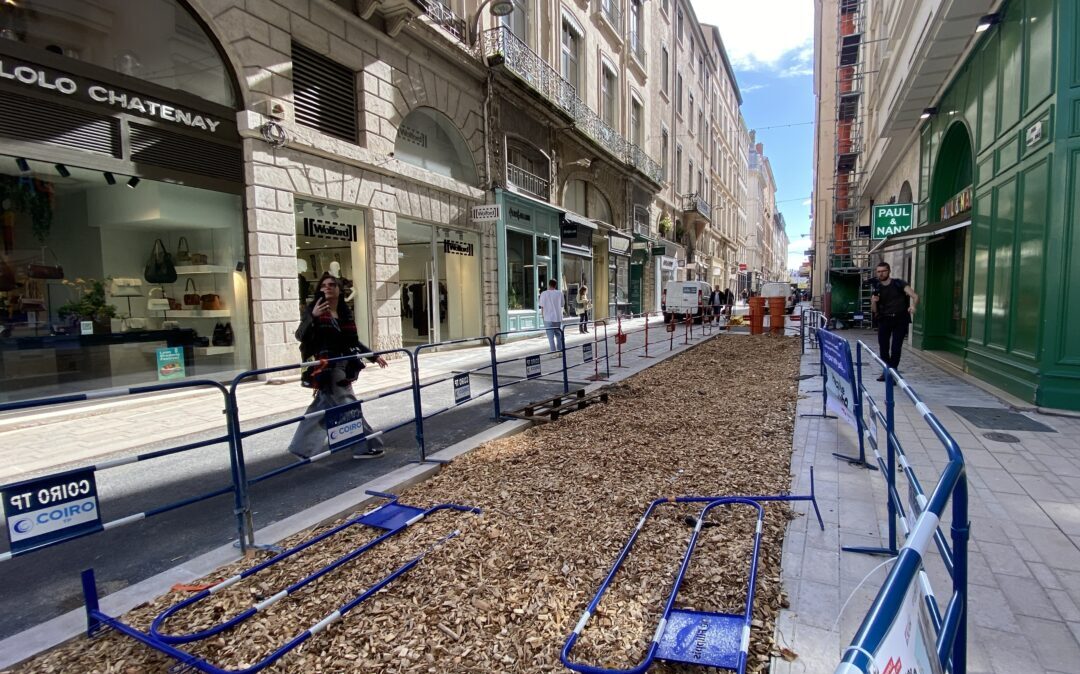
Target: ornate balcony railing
[
  {"x": 501, "y": 47},
  {"x": 637, "y": 48},
  {"x": 612, "y": 13},
  {"x": 528, "y": 182},
  {"x": 693, "y": 203},
  {"x": 443, "y": 16}
]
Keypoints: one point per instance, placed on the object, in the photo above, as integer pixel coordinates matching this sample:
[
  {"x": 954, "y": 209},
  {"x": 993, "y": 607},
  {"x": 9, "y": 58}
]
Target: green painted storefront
[{"x": 1003, "y": 292}]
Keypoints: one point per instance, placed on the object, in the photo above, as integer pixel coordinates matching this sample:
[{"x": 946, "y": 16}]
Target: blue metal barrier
[
  {"x": 949, "y": 627},
  {"x": 418, "y": 387},
  {"x": 527, "y": 359},
  {"x": 88, "y": 492}
]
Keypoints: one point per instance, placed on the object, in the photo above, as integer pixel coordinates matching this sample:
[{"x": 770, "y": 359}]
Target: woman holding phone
[{"x": 328, "y": 330}]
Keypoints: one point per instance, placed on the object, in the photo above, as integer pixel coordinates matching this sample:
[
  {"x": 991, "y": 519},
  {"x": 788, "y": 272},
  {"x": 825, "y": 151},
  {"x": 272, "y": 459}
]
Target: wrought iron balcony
[
  {"x": 612, "y": 13},
  {"x": 528, "y": 182},
  {"x": 501, "y": 47},
  {"x": 693, "y": 203},
  {"x": 443, "y": 16},
  {"x": 637, "y": 49}
]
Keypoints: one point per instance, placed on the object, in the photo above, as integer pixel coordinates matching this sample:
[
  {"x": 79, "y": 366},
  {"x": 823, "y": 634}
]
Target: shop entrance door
[{"x": 439, "y": 270}]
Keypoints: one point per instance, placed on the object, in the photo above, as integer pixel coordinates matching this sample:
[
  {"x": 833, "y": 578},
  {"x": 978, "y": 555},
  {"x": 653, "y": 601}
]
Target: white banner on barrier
[
  {"x": 840, "y": 386},
  {"x": 909, "y": 646}
]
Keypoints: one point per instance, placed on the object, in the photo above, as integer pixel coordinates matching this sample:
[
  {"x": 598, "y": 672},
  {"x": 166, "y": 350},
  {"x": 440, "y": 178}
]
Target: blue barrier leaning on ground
[{"x": 905, "y": 628}]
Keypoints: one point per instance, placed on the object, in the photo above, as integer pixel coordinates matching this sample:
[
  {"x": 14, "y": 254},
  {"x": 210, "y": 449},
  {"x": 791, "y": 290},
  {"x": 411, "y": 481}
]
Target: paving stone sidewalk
[{"x": 1024, "y": 566}]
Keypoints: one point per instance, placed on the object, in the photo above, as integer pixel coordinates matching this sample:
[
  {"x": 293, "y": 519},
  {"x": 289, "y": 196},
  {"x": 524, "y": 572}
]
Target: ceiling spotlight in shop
[
  {"x": 23, "y": 165},
  {"x": 987, "y": 21},
  {"x": 133, "y": 183},
  {"x": 928, "y": 113},
  {"x": 63, "y": 170},
  {"x": 110, "y": 178},
  {"x": 333, "y": 212},
  {"x": 318, "y": 210}
]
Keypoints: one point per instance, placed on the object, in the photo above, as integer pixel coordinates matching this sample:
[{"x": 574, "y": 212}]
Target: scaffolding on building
[{"x": 849, "y": 272}]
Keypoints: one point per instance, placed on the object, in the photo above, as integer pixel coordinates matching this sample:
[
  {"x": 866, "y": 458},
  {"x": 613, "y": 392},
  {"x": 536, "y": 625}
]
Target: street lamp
[{"x": 498, "y": 8}]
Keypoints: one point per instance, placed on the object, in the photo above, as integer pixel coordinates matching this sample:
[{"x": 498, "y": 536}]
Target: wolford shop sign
[{"x": 79, "y": 88}]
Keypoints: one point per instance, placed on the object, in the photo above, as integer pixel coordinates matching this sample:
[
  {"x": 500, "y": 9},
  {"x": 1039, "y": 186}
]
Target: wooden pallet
[{"x": 551, "y": 409}]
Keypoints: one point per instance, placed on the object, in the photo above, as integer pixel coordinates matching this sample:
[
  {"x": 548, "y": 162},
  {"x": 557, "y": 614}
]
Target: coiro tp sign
[{"x": 892, "y": 219}]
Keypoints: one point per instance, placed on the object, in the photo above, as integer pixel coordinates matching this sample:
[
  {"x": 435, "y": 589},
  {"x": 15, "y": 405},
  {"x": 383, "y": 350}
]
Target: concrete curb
[{"x": 28, "y": 643}]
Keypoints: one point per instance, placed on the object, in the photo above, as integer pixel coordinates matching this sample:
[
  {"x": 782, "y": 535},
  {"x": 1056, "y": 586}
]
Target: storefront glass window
[
  {"x": 331, "y": 239},
  {"x": 439, "y": 272},
  {"x": 84, "y": 301},
  {"x": 520, "y": 271},
  {"x": 157, "y": 41},
  {"x": 577, "y": 272}
]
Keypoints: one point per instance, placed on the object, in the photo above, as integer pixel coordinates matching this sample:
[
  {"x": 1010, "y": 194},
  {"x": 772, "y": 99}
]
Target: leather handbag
[
  {"x": 183, "y": 252},
  {"x": 223, "y": 335},
  {"x": 191, "y": 294},
  {"x": 157, "y": 303},
  {"x": 133, "y": 323},
  {"x": 211, "y": 302},
  {"x": 160, "y": 267},
  {"x": 170, "y": 325},
  {"x": 199, "y": 259},
  {"x": 125, "y": 287},
  {"x": 43, "y": 269}
]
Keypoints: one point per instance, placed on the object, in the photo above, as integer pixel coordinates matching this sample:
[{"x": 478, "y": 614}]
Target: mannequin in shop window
[
  {"x": 327, "y": 331},
  {"x": 414, "y": 305}
]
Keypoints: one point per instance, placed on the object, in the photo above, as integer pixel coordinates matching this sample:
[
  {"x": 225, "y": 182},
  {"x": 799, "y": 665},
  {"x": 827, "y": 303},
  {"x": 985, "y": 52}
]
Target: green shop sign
[{"x": 892, "y": 219}]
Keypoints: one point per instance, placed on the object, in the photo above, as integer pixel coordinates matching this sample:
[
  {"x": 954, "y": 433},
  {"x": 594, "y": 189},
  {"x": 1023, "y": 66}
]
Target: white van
[{"x": 682, "y": 298}]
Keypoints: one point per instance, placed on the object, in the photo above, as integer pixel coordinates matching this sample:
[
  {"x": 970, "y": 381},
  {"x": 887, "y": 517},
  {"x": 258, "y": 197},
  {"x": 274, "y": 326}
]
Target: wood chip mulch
[{"x": 559, "y": 501}]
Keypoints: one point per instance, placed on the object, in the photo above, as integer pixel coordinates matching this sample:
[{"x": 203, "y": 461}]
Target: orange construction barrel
[
  {"x": 776, "y": 314},
  {"x": 757, "y": 315}
]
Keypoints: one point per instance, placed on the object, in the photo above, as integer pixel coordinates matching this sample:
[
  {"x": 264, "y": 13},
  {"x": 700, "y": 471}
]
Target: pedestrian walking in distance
[
  {"x": 893, "y": 302},
  {"x": 584, "y": 304},
  {"x": 328, "y": 330},
  {"x": 551, "y": 306}
]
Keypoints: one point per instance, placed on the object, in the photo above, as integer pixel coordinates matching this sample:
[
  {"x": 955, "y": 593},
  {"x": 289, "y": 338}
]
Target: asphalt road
[{"x": 45, "y": 583}]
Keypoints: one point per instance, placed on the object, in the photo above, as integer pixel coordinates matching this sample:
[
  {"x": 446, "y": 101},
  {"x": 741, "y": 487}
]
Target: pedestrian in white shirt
[{"x": 551, "y": 306}]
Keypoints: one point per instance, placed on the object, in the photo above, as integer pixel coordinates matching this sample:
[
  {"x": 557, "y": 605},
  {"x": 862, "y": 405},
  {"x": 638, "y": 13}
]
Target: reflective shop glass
[
  {"x": 156, "y": 41},
  {"x": 107, "y": 280}
]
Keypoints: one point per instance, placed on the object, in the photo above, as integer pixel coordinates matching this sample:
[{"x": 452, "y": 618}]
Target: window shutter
[{"x": 324, "y": 93}]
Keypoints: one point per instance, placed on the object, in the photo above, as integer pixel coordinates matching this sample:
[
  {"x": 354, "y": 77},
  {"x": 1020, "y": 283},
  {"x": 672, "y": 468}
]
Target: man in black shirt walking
[{"x": 894, "y": 303}]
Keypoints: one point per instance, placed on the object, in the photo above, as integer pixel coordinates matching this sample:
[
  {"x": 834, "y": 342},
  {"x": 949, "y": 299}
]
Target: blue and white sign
[
  {"x": 462, "y": 388},
  {"x": 345, "y": 425},
  {"x": 586, "y": 352},
  {"x": 532, "y": 367},
  {"x": 909, "y": 646},
  {"x": 51, "y": 509},
  {"x": 840, "y": 387}
]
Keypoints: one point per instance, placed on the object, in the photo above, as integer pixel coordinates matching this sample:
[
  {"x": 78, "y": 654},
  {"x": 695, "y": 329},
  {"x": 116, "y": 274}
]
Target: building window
[
  {"x": 700, "y": 66},
  {"x": 678, "y": 93},
  {"x": 636, "y": 122},
  {"x": 637, "y": 27},
  {"x": 691, "y": 108},
  {"x": 678, "y": 23},
  {"x": 701, "y": 123},
  {"x": 571, "y": 54},
  {"x": 692, "y": 50},
  {"x": 608, "y": 94},
  {"x": 665, "y": 63},
  {"x": 701, "y": 182},
  {"x": 690, "y": 174},
  {"x": 664, "y": 5},
  {"x": 518, "y": 20},
  {"x": 678, "y": 168},
  {"x": 665, "y": 148}
]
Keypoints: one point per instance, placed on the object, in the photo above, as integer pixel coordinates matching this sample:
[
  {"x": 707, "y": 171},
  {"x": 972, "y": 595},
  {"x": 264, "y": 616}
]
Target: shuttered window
[{"x": 324, "y": 93}]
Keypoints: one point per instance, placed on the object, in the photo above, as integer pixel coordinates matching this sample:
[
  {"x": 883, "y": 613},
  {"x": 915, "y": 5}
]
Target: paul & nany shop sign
[
  {"x": 88, "y": 90},
  {"x": 328, "y": 229}
]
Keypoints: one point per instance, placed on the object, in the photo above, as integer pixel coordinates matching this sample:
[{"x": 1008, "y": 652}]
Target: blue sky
[{"x": 770, "y": 43}]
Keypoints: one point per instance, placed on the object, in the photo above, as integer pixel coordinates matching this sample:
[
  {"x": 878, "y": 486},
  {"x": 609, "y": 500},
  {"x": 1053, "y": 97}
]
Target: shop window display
[
  {"x": 112, "y": 281},
  {"x": 439, "y": 277},
  {"x": 331, "y": 239}
]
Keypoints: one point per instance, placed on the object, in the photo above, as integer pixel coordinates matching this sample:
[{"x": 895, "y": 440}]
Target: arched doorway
[{"x": 945, "y": 277}]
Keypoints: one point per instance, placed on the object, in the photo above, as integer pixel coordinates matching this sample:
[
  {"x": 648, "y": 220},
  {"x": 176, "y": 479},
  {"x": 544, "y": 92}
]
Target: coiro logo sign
[{"x": 40, "y": 512}]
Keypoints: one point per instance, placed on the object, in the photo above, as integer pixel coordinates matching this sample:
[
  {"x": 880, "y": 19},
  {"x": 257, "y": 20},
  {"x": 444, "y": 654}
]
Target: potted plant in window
[
  {"x": 88, "y": 305},
  {"x": 665, "y": 225}
]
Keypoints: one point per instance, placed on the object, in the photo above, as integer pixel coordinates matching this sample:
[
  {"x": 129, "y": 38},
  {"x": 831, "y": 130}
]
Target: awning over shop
[
  {"x": 573, "y": 220},
  {"x": 619, "y": 244},
  {"x": 914, "y": 236}
]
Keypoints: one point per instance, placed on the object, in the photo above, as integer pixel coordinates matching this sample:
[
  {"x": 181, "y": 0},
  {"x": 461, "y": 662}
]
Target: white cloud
[
  {"x": 764, "y": 34},
  {"x": 753, "y": 87},
  {"x": 807, "y": 202}
]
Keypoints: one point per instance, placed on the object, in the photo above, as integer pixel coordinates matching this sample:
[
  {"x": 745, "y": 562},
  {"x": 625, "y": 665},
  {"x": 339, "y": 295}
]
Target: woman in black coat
[{"x": 328, "y": 330}]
